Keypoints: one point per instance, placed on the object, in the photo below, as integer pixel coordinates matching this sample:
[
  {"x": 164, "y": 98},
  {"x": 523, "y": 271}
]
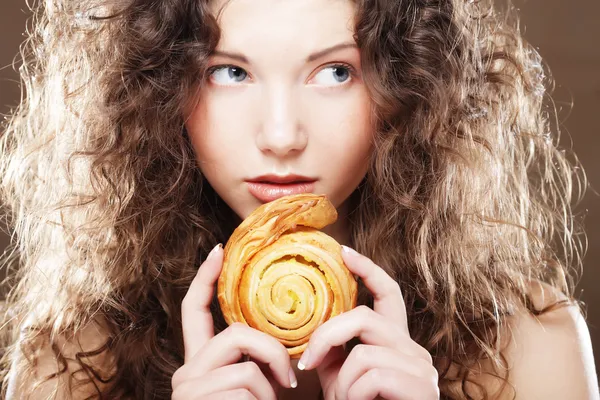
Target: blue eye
[
  {"x": 227, "y": 74},
  {"x": 334, "y": 74},
  {"x": 331, "y": 75}
]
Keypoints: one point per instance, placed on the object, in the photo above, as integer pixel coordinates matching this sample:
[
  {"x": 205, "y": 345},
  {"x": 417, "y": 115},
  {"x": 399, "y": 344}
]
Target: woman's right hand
[{"x": 211, "y": 369}]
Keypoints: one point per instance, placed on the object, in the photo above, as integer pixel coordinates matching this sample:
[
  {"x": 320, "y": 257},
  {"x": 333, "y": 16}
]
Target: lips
[
  {"x": 266, "y": 192},
  {"x": 270, "y": 187},
  {"x": 291, "y": 178}
]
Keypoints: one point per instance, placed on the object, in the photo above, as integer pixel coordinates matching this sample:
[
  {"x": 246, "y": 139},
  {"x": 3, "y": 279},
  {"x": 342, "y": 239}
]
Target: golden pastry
[{"x": 281, "y": 275}]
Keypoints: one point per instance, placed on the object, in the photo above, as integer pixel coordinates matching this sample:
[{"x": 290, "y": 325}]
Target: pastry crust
[{"x": 281, "y": 275}]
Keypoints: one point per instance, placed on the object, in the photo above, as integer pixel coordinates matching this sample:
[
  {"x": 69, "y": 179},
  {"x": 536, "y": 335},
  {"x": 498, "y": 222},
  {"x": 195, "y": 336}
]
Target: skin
[
  {"x": 388, "y": 363},
  {"x": 277, "y": 112},
  {"x": 549, "y": 357},
  {"x": 294, "y": 113},
  {"x": 292, "y": 117}
]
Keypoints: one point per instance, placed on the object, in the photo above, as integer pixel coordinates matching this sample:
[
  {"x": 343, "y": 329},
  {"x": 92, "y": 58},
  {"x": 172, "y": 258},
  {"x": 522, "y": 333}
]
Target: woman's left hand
[{"x": 388, "y": 363}]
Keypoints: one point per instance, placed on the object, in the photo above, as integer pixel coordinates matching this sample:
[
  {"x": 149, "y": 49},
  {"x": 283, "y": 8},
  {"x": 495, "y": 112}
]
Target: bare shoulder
[
  {"x": 88, "y": 339},
  {"x": 550, "y": 355}
]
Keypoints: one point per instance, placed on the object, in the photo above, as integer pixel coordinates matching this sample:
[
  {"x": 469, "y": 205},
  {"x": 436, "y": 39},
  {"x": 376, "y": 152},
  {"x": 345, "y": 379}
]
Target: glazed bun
[{"x": 283, "y": 276}]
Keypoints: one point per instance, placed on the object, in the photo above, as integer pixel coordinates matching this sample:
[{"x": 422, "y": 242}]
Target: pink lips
[{"x": 269, "y": 191}]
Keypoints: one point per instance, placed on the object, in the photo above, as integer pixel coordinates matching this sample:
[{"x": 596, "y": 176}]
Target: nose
[{"x": 281, "y": 132}]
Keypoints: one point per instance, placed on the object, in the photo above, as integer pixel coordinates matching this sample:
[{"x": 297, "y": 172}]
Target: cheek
[
  {"x": 214, "y": 134},
  {"x": 346, "y": 129}
]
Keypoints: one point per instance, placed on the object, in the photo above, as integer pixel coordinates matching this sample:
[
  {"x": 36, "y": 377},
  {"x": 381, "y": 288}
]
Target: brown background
[{"x": 566, "y": 33}]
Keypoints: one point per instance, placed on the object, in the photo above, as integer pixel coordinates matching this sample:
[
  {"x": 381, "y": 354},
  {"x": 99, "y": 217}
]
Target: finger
[
  {"x": 392, "y": 385},
  {"x": 236, "y": 394},
  {"x": 197, "y": 321},
  {"x": 388, "y": 300},
  {"x": 239, "y": 339},
  {"x": 361, "y": 322},
  {"x": 230, "y": 377},
  {"x": 363, "y": 358}
]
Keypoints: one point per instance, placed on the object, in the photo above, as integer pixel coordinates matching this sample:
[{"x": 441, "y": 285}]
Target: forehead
[{"x": 283, "y": 23}]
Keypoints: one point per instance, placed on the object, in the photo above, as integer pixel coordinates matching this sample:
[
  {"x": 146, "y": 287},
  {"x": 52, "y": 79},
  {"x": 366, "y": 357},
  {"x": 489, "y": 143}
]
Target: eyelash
[{"x": 349, "y": 67}]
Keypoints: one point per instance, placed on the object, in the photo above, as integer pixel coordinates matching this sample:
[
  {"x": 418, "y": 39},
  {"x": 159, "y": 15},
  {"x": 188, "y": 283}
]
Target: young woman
[{"x": 423, "y": 121}]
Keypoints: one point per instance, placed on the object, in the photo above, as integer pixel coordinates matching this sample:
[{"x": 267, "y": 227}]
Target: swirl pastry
[{"x": 281, "y": 275}]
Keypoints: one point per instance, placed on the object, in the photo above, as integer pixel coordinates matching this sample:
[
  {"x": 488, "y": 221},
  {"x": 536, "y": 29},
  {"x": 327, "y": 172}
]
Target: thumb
[
  {"x": 329, "y": 368},
  {"x": 196, "y": 318}
]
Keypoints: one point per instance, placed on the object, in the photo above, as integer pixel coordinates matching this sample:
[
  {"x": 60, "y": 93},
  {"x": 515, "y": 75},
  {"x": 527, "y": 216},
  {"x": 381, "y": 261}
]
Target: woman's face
[{"x": 278, "y": 101}]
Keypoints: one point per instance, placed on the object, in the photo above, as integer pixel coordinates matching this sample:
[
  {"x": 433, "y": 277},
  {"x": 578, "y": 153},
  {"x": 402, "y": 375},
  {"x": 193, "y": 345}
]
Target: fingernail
[
  {"x": 215, "y": 250},
  {"x": 293, "y": 380},
  {"x": 348, "y": 250},
  {"x": 303, "y": 362}
]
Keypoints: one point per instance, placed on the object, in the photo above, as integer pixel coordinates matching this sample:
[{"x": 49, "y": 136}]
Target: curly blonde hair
[{"x": 466, "y": 200}]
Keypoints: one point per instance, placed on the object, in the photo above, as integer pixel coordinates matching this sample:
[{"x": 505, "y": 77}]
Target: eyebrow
[{"x": 314, "y": 56}]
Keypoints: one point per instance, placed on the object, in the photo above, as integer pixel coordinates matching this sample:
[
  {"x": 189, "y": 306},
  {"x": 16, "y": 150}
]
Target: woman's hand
[
  {"x": 211, "y": 368},
  {"x": 388, "y": 363}
]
